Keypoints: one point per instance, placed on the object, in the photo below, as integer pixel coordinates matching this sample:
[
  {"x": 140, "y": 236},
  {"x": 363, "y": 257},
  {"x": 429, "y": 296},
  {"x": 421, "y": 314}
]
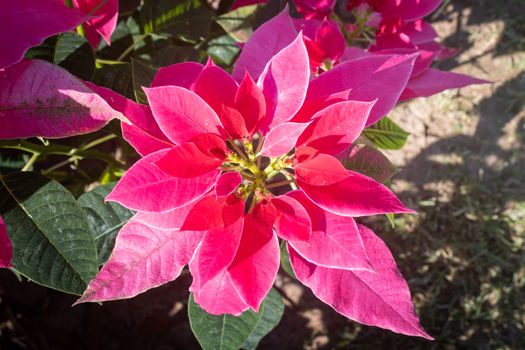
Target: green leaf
[
  {"x": 67, "y": 50},
  {"x": 371, "y": 162},
  {"x": 52, "y": 244},
  {"x": 272, "y": 312},
  {"x": 105, "y": 219},
  {"x": 74, "y": 53},
  {"x": 285, "y": 260},
  {"x": 117, "y": 77},
  {"x": 386, "y": 134},
  {"x": 223, "y": 49},
  {"x": 142, "y": 76},
  {"x": 391, "y": 219},
  {"x": 174, "y": 54},
  {"x": 188, "y": 20},
  {"x": 12, "y": 161},
  {"x": 228, "y": 332},
  {"x": 239, "y": 22}
]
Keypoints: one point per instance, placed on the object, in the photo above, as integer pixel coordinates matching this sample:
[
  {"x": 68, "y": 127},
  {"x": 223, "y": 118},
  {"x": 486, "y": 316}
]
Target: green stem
[
  {"x": 132, "y": 47},
  {"x": 100, "y": 61},
  {"x": 76, "y": 153},
  {"x": 31, "y": 161},
  {"x": 99, "y": 141},
  {"x": 57, "y": 166},
  {"x": 63, "y": 150}
]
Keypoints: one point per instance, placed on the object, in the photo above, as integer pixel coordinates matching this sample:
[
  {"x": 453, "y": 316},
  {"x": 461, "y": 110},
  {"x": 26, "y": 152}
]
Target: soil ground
[{"x": 463, "y": 169}]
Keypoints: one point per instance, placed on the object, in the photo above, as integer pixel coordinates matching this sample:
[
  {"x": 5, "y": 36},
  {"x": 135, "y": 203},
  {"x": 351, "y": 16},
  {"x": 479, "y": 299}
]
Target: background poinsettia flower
[
  {"x": 388, "y": 74},
  {"x": 218, "y": 196},
  {"x": 366, "y": 79},
  {"x": 324, "y": 41},
  {"x": 104, "y": 19},
  {"x": 6, "y": 249},
  {"x": 403, "y": 30},
  {"x": 309, "y": 9},
  {"x": 27, "y": 23}
]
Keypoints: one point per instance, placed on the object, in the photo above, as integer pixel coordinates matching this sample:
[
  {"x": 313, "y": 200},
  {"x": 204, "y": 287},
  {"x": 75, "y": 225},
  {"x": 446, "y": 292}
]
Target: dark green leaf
[
  {"x": 285, "y": 260},
  {"x": 386, "y": 134},
  {"x": 74, "y": 53},
  {"x": 228, "y": 332},
  {"x": 223, "y": 49},
  {"x": 52, "y": 244},
  {"x": 239, "y": 22},
  {"x": 142, "y": 76},
  {"x": 117, "y": 77},
  {"x": 371, "y": 162},
  {"x": 272, "y": 311},
  {"x": 188, "y": 20},
  {"x": 67, "y": 50},
  {"x": 175, "y": 54},
  {"x": 11, "y": 161},
  {"x": 105, "y": 219}
]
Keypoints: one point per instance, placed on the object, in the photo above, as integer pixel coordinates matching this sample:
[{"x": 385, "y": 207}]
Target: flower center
[{"x": 262, "y": 176}]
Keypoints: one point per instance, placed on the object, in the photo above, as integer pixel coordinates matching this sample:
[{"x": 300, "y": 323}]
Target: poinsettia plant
[{"x": 251, "y": 149}]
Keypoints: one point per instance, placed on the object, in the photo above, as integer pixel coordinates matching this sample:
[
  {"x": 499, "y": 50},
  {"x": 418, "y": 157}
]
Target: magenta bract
[
  {"x": 104, "y": 15},
  {"x": 33, "y": 21},
  {"x": 41, "y": 99}
]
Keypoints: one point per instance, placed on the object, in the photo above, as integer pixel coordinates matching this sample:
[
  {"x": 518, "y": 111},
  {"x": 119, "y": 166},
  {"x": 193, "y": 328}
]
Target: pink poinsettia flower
[
  {"x": 400, "y": 25},
  {"x": 104, "y": 19},
  {"x": 324, "y": 41},
  {"x": 309, "y": 9},
  {"x": 381, "y": 77},
  {"x": 6, "y": 250},
  {"x": 229, "y": 169}
]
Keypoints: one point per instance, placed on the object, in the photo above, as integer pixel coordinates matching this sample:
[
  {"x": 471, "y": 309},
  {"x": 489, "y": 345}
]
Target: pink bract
[
  {"x": 104, "y": 15},
  {"x": 6, "y": 249},
  {"x": 38, "y": 98},
  {"x": 220, "y": 193},
  {"x": 33, "y": 21},
  {"x": 324, "y": 41}
]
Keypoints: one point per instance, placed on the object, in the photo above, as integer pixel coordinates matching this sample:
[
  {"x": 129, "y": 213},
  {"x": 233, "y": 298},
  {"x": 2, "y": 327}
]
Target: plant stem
[
  {"x": 99, "y": 141},
  {"x": 31, "y": 161},
  {"x": 57, "y": 166},
  {"x": 74, "y": 154},
  {"x": 131, "y": 47}
]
